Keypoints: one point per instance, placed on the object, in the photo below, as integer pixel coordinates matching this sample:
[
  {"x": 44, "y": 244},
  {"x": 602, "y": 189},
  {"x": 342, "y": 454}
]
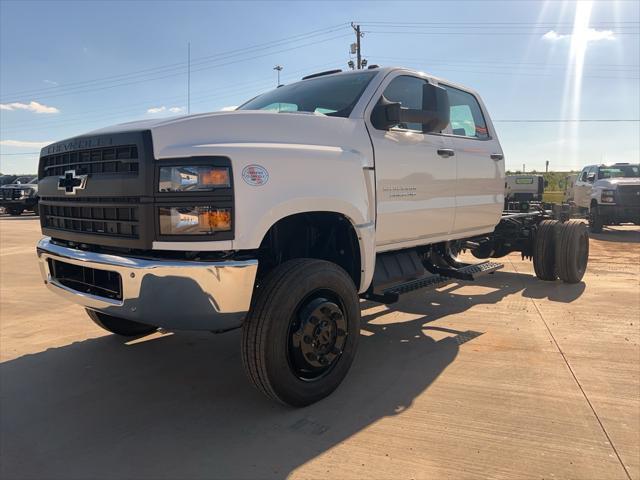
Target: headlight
[
  {"x": 608, "y": 196},
  {"x": 197, "y": 178},
  {"x": 194, "y": 220}
]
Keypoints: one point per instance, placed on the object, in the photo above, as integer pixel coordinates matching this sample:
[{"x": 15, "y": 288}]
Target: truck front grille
[
  {"x": 101, "y": 283},
  {"x": 96, "y": 161},
  {"x": 11, "y": 193},
  {"x": 114, "y": 220},
  {"x": 629, "y": 195}
]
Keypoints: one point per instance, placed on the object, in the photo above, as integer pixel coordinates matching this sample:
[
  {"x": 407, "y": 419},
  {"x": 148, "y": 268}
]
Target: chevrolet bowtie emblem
[{"x": 71, "y": 183}]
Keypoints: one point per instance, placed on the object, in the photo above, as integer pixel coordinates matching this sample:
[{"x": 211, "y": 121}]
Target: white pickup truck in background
[
  {"x": 277, "y": 217},
  {"x": 609, "y": 194}
]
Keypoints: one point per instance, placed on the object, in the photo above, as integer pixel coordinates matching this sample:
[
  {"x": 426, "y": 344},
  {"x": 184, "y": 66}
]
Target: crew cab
[
  {"x": 609, "y": 194},
  {"x": 279, "y": 216},
  {"x": 20, "y": 194}
]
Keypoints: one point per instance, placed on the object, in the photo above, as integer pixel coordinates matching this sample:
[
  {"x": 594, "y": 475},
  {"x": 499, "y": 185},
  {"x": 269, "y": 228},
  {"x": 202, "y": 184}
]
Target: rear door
[
  {"x": 415, "y": 178},
  {"x": 479, "y": 198}
]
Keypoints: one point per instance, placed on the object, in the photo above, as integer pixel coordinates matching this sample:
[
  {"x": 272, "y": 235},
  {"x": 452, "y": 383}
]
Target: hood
[
  {"x": 23, "y": 186},
  {"x": 614, "y": 182},
  {"x": 178, "y": 136}
]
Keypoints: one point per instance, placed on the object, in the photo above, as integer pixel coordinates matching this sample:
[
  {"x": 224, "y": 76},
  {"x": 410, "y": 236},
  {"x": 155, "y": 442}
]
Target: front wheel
[
  {"x": 301, "y": 335},
  {"x": 15, "y": 211},
  {"x": 120, "y": 326},
  {"x": 595, "y": 220}
]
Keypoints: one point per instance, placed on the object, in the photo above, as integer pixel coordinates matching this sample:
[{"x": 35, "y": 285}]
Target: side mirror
[
  {"x": 434, "y": 115},
  {"x": 591, "y": 177}
]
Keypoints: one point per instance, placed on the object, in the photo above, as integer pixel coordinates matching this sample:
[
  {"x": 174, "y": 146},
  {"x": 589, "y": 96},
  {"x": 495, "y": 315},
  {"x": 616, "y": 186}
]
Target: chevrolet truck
[
  {"x": 20, "y": 194},
  {"x": 280, "y": 216},
  {"x": 609, "y": 194}
]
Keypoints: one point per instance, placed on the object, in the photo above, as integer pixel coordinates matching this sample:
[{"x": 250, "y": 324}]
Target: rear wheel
[
  {"x": 544, "y": 252},
  {"x": 120, "y": 326},
  {"x": 301, "y": 335},
  {"x": 572, "y": 251},
  {"x": 595, "y": 220}
]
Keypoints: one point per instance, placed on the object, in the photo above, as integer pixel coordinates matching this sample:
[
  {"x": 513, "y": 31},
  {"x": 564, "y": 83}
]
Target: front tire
[
  {"x": 595, "y": 220},
  {"x": 15, "y": 211},
  {"x": 120, "y": 326},
  {"x": 301, "y": 335}
]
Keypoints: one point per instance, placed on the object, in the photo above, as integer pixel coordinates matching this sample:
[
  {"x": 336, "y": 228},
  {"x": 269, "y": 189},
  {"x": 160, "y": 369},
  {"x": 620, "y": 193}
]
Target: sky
[{"x": 70, "y": 67}]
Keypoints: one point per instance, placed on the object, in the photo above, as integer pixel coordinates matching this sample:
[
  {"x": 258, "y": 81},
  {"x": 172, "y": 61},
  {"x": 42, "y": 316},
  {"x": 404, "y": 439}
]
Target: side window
[
  {"x": 583, "y": 175},
  {"x": 408, "y": 91},
  {"x": 466, "y": 118}
]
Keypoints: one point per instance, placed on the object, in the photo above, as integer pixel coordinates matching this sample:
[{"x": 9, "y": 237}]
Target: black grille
[
  {"x": 96, "y": 161},
  {"x": 102, "y": 283},
  {"x": 629, "y": 195},
  {"x": 11, "y": 193},
  {"x": 111, "y": 220}
]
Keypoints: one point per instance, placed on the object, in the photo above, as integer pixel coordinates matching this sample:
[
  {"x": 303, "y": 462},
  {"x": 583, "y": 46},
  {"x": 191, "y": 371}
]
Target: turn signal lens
[
  {"x": 216, "y": 220},
  {"x": 194, "y": 220}
]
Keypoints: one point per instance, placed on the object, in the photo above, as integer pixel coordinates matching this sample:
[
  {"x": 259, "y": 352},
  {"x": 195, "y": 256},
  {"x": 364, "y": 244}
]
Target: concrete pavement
[{"x": 507, "y": 378}]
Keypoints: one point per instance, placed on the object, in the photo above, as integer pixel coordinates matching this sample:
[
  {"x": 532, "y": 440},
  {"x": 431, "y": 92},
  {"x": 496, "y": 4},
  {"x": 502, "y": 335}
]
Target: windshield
[
  {"x": 333, "y": 95},
  {"x": 617, "y": 171},
  {"x": 6, "y": 179}
]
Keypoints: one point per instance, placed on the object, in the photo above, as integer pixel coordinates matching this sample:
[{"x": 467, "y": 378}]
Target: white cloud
[
  {"x": 590, "y": 35},
  {"x": 162, "y": 108},
  {"x": 51, "y": 82},
  {"x": 23, "y": 144},
  {"x": 31, "y": 106},
  {"x": 229, "y": 109}
]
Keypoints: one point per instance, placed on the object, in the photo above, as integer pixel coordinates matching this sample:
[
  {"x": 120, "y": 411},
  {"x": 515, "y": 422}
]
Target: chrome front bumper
[{"x": 180, "y": 295}]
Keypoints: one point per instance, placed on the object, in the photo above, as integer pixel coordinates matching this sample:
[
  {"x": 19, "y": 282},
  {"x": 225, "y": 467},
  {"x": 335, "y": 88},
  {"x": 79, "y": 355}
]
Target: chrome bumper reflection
[{"x": 167, "y": 293}]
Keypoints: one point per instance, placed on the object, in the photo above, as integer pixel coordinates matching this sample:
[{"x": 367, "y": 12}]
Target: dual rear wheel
[{"x": 561, "y": 250}]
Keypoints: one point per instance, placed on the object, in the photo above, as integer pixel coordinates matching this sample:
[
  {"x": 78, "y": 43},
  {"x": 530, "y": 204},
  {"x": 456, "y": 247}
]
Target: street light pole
[{"x": 279, "y": 69}]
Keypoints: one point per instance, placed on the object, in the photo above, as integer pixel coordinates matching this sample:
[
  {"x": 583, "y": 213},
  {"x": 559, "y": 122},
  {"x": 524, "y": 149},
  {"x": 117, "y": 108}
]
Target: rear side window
[{"x": 466, "y": 118}]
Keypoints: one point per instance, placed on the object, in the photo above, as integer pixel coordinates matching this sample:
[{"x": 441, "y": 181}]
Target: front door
[{"x": 415, "y": 176}]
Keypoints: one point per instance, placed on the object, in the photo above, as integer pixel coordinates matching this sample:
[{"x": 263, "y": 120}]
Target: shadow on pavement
[
  {"x": 178, "y": 406},
  {"x": 616, "y": 235}
]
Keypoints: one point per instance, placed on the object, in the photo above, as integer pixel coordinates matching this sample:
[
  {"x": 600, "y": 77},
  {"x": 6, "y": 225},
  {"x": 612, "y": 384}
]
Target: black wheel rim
[{"x": 317, "y": 335}]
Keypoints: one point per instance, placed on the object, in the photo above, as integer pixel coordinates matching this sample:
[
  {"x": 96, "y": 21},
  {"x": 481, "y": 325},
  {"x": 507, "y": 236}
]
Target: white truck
[
  {"x": 609, "y": 194},
  {"x": 522, "y": 189},
  {"x": 279, "y": 216}
]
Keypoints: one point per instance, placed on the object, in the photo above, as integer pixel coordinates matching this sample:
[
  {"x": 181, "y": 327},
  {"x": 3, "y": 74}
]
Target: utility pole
[
  {"x": 279, "y": 69},
  {"x": 524, "y": 170},
  {"x": 189, "y": 78},
  {"x": 547, "y": 167},
  {"x": 359, "y": 35}
]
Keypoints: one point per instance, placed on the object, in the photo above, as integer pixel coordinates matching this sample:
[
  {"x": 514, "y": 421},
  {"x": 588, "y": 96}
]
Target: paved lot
[{"x": 507, "y": 378}]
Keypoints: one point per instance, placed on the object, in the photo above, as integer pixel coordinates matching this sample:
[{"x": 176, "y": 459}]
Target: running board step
[
  {"x": 391, "y": 295},
  {"x": 470, "y": 271}
]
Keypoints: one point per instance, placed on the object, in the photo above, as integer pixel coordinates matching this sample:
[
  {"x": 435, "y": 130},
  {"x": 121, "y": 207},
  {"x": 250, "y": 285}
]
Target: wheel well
[{"x": 323, "y": 235}]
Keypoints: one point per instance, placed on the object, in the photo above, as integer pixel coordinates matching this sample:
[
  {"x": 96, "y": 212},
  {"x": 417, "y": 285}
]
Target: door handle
[
  {"x": 496, "y": 156},
  {"x": 446, "y": 152}
]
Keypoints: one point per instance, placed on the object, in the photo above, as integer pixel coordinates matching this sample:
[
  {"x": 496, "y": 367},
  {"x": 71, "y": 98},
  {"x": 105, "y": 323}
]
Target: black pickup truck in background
[{"x": 19, "y": 193}]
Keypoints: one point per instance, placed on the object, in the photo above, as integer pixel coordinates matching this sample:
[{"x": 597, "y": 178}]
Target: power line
[
  {"x": 571, "y": 120},
  {"x": 178, "y": 68}
]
